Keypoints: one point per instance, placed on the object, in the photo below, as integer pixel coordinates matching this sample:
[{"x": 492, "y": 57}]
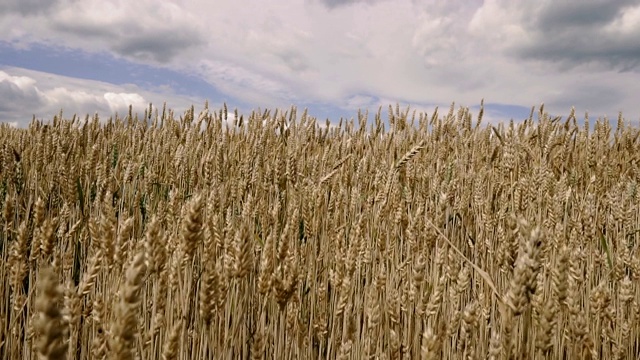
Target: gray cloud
[
  {"x": 294, "y": 60},
  {"x": 159, "y": 43},
  {"x": 18, "y": 93},
  {"x": 27, "y": 7},
  {"x": 161, "y": 46},
  {"x": 572, "y": 51},
  {"x": 143, "y": 31},
  {"x": 559, "y": 15},
  {"x": 578, "y": 33}
]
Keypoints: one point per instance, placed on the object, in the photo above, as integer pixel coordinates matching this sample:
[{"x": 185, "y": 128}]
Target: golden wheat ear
[
  {"x": 52, "y": 329},
  {"x": 125, "y": 328}
]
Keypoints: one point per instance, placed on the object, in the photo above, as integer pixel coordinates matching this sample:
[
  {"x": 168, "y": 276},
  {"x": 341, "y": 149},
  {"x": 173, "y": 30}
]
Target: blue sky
[{"x": 329, "y": 56}]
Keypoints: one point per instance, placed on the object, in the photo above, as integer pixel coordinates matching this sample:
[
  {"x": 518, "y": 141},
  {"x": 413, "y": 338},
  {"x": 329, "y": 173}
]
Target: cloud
[
  {"x": 245, "y": 83},
  {"x": 44, "y": 95},
  {"x": 147, "y": 31},
  {"x": 424, "y": 53},
  {"x": 338, "y": 3},
  {"x": 342, "y": 55},
  {"x": 18, "y": 91},
  {"x": 119, "y": 101},
  {"x": 27, "y": 7},
  {"x": 361, "y": 101},
  {"x": 570, "y": 35}
]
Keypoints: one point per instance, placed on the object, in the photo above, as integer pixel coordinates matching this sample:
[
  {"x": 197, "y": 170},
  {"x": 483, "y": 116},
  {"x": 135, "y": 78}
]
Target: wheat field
[{"x": 211, "y": 236}]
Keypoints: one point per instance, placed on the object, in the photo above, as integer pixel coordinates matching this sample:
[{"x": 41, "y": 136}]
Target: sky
[{"x": 332, "y": 57}]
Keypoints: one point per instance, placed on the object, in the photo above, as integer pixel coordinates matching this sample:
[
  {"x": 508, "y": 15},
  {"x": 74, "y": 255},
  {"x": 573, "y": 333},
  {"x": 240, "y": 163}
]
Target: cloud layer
[{"x": 357, "y": 53}]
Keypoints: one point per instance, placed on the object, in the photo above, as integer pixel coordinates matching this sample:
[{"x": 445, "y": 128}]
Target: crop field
[{"x": 276, "y": 236}]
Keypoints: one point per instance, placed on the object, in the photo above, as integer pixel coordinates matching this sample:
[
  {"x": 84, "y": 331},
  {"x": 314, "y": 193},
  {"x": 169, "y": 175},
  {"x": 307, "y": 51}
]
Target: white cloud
[
  {"x": 242, "y": 82},
  {"x": 119, "y": 101},
  {"x": 44, "y": 95}
]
